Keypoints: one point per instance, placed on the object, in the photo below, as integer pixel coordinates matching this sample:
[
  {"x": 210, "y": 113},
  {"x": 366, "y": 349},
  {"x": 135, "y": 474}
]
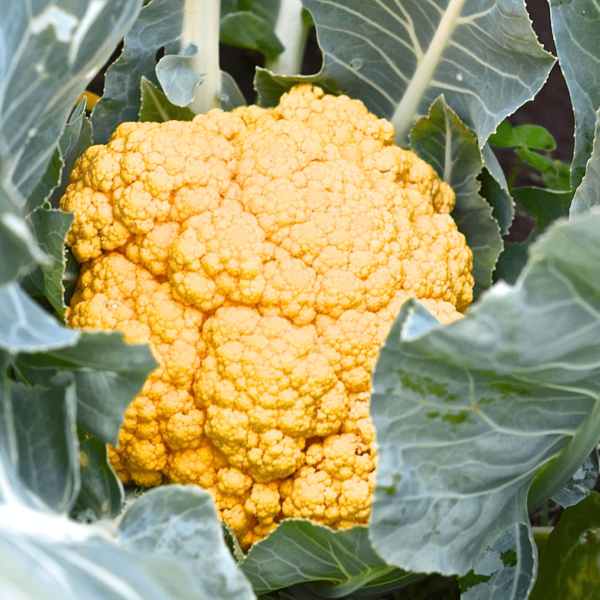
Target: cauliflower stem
[
  {"x": 291, "y": 28},
  {"x": 201, "y": 26}
]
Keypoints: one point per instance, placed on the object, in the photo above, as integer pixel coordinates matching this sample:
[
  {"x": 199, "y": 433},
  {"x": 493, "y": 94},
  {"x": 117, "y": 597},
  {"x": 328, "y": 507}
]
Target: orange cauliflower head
[{"x": 263, "y": 254}]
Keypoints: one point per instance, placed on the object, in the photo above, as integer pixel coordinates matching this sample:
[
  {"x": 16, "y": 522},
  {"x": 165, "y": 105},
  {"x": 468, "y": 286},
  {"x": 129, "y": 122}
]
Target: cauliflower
[{"x": 263, "y": 254}]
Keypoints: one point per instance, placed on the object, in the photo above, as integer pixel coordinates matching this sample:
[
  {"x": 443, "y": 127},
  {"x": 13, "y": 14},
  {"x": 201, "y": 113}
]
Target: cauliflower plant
[{"x": 263, "y": 254}]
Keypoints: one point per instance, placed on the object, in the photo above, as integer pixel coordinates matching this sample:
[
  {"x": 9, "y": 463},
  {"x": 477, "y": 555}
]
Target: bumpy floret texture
[{"x": 263, "y": 254}]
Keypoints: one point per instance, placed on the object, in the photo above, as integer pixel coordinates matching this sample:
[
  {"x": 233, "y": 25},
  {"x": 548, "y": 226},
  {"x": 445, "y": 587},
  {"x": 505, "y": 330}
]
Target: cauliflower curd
[{"x": 263, "y": 254}]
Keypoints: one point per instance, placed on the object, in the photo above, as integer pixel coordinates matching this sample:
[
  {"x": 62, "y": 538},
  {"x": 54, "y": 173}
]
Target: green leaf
[
  {"x": 278, "y": 595},
  {"x": 18, "y": 247},
  {"x": 47, "y": 441},
  {"x": 434, "y": 587},
  {"x": 532, "y": 136},
  {"x": 25, "y": 327},
  {"x": 178, "y": 78},
  {"x": 50, "y": 53},
  {"x": 159, "y": 25},
  {"x": 51, "y": 187},
  {"x": 72, "y": 132},
  {"x": 336, "y": 563},
  {"x": 588, "y": 193},
  {"x": 540, "y": 535},
  {"x": 169, "y": 546},
  {"x": 181, "y": 522},
  {"x": 546, "y": 205},
  {"x": 84, "y": 562},
  {"x": 267, "y": 10},
  {"x": 399, "y": 57},
  {"x": 555, "y": 173},
  {"x": 156, "y": 107},
  {"x": 512, "y": 261},
  {"x": 575, "y": 29},
  {"x": 10, "y": 486},
  {"x": 245, "y": 29},
  {"x": 108, "y": 373},
  {"x": 495, "y": 189},
  {"x": 581, "y": 484},
  {"x": 496, "y": 195},
  {"x": 559, "y": 177},
  {"x": 569, "y": 561},
  {"x": 179, "y": 83},
  {"x": 505, "y": 571},
  {"x": 270, "y": 87},
  {"x": 50, "y": 227},
  {"x": 71, "y": 275},
  {"x": 232, "y": 542},
  {"x": 483, "y": 420},
  {"x": 504, "y": 136},
  {"x": 101, "y": 493},
  {"x": 230, "y": 94},
  {"x": 442, "y": 140},
  {"x": 43, "y": 190},
  {"x": 535, "y": 137},
  {"x": 76, "y": 138},
  {"x": 535, "y": 160}
]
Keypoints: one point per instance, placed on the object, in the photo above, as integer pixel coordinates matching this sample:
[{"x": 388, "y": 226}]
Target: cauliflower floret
[{"x": 263, "y": 254}]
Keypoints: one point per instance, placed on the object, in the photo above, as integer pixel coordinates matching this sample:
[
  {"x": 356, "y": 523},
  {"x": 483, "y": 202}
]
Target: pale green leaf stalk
[
  {"x": 201, "y": 26},
  {"x": 292, "y": 31},
  {"x": 404, "y": 115}
]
